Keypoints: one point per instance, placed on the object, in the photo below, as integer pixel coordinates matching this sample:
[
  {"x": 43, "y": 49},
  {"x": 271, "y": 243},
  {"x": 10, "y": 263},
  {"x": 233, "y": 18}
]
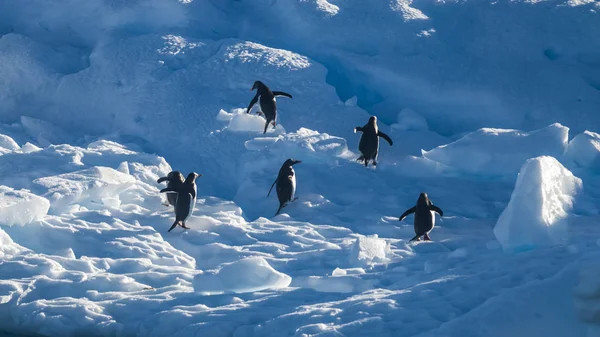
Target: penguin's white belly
[
  {"x": 293, "y": 187},
  {"x": 192, "y": 204},
  {"x": 432, "y": 221}
]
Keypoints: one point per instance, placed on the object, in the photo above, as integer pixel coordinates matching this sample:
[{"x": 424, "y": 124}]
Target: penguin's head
[
  {"x": 373, "y": 120},
  {"x": 175, "y": 176},
  {"x": 423, "y": 198},
  {"x": 258, "y": 85},
  {"x": 291, "y": 162},
  {"x": 192, "y": 177}
]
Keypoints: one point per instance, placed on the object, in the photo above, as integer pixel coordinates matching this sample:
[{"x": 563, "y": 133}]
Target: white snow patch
[
  {"x": 537, "y": 212},
  {"x": 247, "y": 275},
  {"x": 240, "y": 121},
  {"x": 96, "y": 184},
  {"x": 370, "y": 250},
  {"x": 500, "y": 151},
  {"x": 584, "y": 150},
  {"x": 18, "y": 207}
]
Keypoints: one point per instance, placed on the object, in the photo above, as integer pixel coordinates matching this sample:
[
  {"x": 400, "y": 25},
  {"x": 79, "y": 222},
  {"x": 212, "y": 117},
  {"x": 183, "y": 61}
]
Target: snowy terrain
[{"x": 492, "y": 106}]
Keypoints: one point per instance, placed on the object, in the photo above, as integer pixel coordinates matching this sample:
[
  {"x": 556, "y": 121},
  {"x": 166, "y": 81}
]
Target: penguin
[
  {"x": 369, "y": 141},
  {"x": 186, "y": 199},
  {"x": 286, "y": 184},
  {"x": 175, "y": 179},
  {"x": 424, "y": 219},
  {"x": 267, "y": 102}
]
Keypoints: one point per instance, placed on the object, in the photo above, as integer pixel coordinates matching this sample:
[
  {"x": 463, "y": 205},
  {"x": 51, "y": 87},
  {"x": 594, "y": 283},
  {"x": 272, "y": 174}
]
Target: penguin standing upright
[
  {"x": 424, "y": 220},
  {"x": 174, "y": 180},
  {"x": 186, "y": 199},
  {"x": 369, "y": 141},
  {"x": 267, "y": 102},
  {"x": 286, "y": 184}
]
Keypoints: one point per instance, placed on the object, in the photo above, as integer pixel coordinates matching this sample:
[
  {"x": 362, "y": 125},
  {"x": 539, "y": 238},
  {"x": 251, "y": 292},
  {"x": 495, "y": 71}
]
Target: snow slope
[{"x": 99, "y": 99}]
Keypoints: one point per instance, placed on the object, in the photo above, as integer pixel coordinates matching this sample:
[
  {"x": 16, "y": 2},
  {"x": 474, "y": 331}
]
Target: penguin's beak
[{"x": 298, "y": 162}]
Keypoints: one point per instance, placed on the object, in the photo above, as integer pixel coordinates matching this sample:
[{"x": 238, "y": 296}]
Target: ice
[
  {"x": 538, "y": 211},
  {"x": 246, "y": 275},
  {"x": 370, "y": 250},
  {"x": 98, "y": 99},
  {"x": 500, "y": 152},
  {"x": 584, "y": 150},
  {"x": 87, "y": 186},
  {"x": 19, "y": 207}
]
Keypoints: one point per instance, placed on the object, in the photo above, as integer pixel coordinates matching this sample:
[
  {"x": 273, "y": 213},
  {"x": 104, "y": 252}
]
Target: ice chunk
[
  {"x": 370, "y": 250},
  {"x": 500, "y": 151},
  {"x": 7, "y": 144},
  {"x": 240, "y": 121},
  {"x": 96, "y": 183},
  {"x": 537, "y": 211},
  {"x": 21, "y": 207},
  {"x": 243, "y": 276},
  {"x": 584, "y": 150}
]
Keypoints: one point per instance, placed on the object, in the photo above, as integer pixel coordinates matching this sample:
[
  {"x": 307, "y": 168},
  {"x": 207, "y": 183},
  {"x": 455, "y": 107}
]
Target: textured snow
[
  {"x": 498, "y": 151},
  {"x": 537, "y": 213},
  {"x": 99, "y": 99}
]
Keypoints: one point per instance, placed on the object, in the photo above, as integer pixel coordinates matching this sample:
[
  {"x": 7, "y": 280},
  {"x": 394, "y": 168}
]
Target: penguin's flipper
[
  {"x": 160, "y": 180},
  {"x": 386, "y": 137},
  {"x": 168, "y": 190},
  {"x": 408, "y": 211},
  {"x": 358, "y": 128},
  {"x": 252, "y": 102},
  {"x": 436, "y": 209},
  {"x": 281, "y": 93},
  {"x": 271, "y": 188},
  {"x": 174, "y": 225}
]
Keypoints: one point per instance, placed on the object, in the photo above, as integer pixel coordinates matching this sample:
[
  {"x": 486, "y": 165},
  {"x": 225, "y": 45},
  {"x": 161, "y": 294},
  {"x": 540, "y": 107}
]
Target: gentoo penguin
[
  {"x": 174, "y": 180},
  {"x": 424, "y": 220},
  {"x": 186, "y": 199},
  {"x": 267, "y": 102},
  {"x": 286, "y": 184},
  {"x": 369, "y": 141}
]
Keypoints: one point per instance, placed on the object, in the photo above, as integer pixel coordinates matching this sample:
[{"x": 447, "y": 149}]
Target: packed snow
[{"x": 492, "y": 107}]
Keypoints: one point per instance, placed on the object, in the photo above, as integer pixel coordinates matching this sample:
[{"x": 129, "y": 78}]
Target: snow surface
[
  {"x": 539, "y": 205},
  {"x": 98, "y": 99}
]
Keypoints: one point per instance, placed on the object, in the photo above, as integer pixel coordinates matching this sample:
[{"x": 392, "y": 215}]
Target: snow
[
  {"x": 500, "y": 152},
  {"x": 583, "y": 150},
  {"x": 246, "y": 275},
  {"x": 492, "y": 106},
  {"x": 537, "y": 213},
  {"x": 19, "y": 207}
]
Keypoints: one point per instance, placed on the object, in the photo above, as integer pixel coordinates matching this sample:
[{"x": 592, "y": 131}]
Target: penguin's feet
[
  {"x": 185, "y": 227},
  {"x": 296, "y": 198},
  {"x": 166, "y": 204},
  {"x": 427, "y": 238},
  {"x": 374, "y": 163}
]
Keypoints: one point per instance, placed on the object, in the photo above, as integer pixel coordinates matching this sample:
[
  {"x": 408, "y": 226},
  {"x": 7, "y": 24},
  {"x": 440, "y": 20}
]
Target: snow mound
[
  {"x": 20, "y": 208},
  {"x": 240, "y": 121},
  {"x": 491, "y": 152},
  {"x": 584, "y": 150},
  {"x": 8, "y": 144},
  {"x": 537, "y": 212},
  {"x": 307, "y": 144},
  {"x": 97, "y": 184},
  {"x": 243, "y": 276},
  {"x": 368, "y": 251}
]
